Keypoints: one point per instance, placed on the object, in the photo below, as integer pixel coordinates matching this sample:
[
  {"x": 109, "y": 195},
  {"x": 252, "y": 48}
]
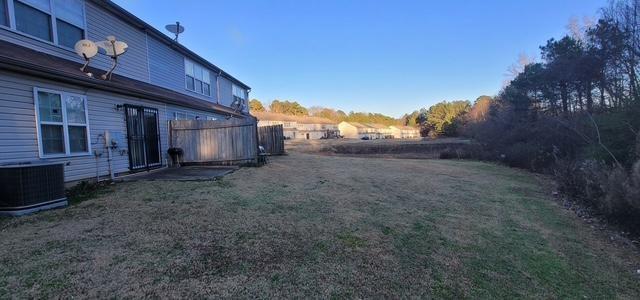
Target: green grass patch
[
  {"x": 84, "y": 191},
  {"x": 351, "y": 240}
]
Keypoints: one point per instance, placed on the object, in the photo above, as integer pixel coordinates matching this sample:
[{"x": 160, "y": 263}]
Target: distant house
[
  {"x": 299, "y": 127},
  {"x": 355, "y": 130},
  {"x": 381, "y": 131},
  {"x": 404, "y": 132}
]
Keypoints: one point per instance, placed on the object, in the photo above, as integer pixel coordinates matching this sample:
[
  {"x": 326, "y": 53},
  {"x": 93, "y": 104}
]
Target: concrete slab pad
[{"x": 187, "y": 173}]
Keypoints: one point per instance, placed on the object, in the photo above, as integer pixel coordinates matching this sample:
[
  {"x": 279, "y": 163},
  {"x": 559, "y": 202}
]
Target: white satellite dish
[
  {"x": 86, "y": 49},
  {"x": 176, "y": 29},
  {"x": 113, "y": 49}
]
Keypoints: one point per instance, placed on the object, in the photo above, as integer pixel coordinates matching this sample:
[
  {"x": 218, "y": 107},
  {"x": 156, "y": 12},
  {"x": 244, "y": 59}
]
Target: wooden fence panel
[
  {"x": 272, "y": 139},
  {"x": 217, "y": 142}
]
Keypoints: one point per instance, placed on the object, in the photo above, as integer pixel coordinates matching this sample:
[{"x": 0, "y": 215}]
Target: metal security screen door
[{"x": 143, "y": 137}]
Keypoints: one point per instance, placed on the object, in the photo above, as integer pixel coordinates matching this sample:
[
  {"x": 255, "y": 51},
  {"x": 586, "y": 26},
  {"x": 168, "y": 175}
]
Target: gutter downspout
[{"x": 218, "y": 87}]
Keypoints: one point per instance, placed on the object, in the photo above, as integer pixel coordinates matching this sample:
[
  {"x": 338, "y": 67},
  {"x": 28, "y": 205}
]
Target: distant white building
[
  {"x": 404, "y": 132},
  {"x": 355, "y": 130},
  {"x": 381, "y": 131},
  {"x": 299, "y": 127}
]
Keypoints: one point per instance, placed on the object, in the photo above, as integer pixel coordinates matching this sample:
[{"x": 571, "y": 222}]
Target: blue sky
[{"x": 389, "y": 56}]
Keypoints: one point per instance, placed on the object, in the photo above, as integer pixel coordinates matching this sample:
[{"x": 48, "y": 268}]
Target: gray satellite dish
[
  {"x": 86, "y": 49},
  {"x": 113, "y": 49},
  {"x": 176, "y": 29}
]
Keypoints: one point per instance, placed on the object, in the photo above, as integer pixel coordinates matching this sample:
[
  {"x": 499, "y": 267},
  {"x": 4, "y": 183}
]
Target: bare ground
[{"x": 319, "y": 226}]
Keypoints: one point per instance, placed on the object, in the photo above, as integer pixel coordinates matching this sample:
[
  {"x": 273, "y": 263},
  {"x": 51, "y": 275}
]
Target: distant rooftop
[
  {"x": 404, "y": 127},
  {"x": 269, "y": 116}
]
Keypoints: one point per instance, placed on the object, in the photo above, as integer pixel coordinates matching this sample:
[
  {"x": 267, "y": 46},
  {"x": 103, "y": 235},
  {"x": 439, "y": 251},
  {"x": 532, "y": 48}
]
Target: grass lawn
[{"x": 318, "y": 226}]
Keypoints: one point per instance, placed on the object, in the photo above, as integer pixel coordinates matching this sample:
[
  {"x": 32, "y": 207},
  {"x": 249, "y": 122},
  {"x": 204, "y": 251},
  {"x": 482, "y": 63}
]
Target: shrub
[
  {"x": 622, "y": 201},
  {"x": 612, "y": 191}
]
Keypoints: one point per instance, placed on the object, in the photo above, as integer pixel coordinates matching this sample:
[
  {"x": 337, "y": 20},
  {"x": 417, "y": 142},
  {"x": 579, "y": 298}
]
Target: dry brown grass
[
  {"x": 318, "y": 226},
  {"x": 381, "y": 148}
]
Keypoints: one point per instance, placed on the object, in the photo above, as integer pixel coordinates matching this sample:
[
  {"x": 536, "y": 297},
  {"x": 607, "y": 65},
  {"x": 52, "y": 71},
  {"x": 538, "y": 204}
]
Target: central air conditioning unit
[{"x": 29, "y": 187}]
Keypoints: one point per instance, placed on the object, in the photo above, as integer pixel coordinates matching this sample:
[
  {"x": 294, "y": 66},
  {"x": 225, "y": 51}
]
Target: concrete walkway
[{"x": 188, "y": 173}]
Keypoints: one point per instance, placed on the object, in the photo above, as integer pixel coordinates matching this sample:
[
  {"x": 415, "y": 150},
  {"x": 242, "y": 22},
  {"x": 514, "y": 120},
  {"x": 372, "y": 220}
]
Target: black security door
[{"x": 143, "y": 137}]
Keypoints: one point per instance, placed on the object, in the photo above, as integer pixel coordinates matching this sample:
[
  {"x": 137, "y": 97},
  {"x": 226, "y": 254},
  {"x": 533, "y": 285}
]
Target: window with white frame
[
  {"x": 239, "y": 93},
  {"x": 59, "y": 21},
  {"x": 63, "y": 127},
  {"x": 197, "y": 78}
]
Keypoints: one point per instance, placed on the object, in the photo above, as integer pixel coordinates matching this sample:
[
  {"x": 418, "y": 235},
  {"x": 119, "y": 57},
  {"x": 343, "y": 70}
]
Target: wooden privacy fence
[
  {"x": 232, "y": 141},
  {"x": 272, "y": 139}
]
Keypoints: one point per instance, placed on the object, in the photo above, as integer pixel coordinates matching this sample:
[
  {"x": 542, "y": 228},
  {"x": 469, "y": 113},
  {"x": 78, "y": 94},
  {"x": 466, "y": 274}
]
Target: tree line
[
  {"x": 573, "y": 115},
  {"x": 294, "y": 108}
]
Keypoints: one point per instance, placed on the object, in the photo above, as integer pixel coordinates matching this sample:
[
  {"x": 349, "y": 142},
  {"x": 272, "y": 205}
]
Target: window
[
  {"x": 239, "y": 95},
  {"x": 184, "y": 116},
  {"x": 4, "y": 17},
  {"x": 179, "y": 116},
  {"x": 239, "y": 92},
  {"x": 62, "y": 24},
  {"x": 197, "y": 78},
  {"x": 33, "y": 21},
  {"x": 69, "y": 21},
  {"x": 62, "y": 122},
  {"x": 68, "y": 34}
]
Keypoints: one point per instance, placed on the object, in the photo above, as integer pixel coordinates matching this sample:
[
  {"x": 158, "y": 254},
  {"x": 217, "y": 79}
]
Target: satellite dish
[
  {"x": 86, "y": 49},
  {"x": 113, "y": 49},
  {"x": 176, "y": 29}
]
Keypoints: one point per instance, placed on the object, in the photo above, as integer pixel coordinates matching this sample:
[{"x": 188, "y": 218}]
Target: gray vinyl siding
[
  {"x": 171, "y": 109},
  {"x": 226, "y": 91},
  {"x": 18, "y": 133},
  {"x": 147, "y": 58},
  {"x": 166, "y": 69},
  {"x": 6, "y": 34},
  {"x": 100, "y": 24},
  {"x": 134, "y": 63},
  {"x": 166, "y": 66}
]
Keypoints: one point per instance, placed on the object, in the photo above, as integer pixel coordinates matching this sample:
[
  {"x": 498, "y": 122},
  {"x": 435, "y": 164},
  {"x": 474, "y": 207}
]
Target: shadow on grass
[{"x": 86, "y": 191}]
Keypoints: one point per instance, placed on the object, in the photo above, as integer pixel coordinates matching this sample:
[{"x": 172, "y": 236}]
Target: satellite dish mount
[
  {"x": 238, "y": 105},
  {"x": 86, "y": 49},
  {"x": 176, "y": 29},
  {"x": 113, "y": 49}
]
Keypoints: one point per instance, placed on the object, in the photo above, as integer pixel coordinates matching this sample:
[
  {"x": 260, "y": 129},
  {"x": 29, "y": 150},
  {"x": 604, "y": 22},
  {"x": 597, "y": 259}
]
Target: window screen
[{"x": 68, "y": 34}]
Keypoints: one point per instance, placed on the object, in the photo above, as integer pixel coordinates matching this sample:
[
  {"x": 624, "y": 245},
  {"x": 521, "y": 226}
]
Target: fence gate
[
  {"x": 143, "y": 137},
  {"x": 272, "y": 139}
]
